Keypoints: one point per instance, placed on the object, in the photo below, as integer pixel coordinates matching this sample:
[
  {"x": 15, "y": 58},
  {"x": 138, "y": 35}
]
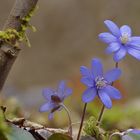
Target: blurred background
[{"x": 66, "y": 38}]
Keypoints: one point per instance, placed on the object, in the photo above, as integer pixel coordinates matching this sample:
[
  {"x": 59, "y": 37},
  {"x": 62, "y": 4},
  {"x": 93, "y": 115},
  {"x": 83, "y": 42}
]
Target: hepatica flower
[
  {"x": 55, "y": 98},
  {"x": 120, "y": 41},
  {"x": 128, "y": 135},
  {"x": 99, "y": 84}
]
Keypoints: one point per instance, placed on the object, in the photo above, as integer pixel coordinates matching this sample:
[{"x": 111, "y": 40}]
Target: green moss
[
  {"x": 91, "y": 129},
  {"x": 9, "y": 36},
  {"x": 25, "y": 25},
  {"x": 12, "y": 36}
]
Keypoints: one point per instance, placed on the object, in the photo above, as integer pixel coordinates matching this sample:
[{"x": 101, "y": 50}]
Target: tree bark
[{"x": 9, "y": 53}]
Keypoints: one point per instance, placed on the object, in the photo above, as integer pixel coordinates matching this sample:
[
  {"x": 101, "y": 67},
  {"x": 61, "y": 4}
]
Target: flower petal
[
  {"x": 126, "y": 30},
  {"x": 134, "y": 46},
  {"x": 112, "y": 75},
  {"x": 135, "y": 53},
  {"x": 120, "y": 54},
  {"x": 114, "y": 29},
  {"x": 113, "y": 92},
  {"x": 135, "y": 131},
  {"x": 50, "y": 117},
  {"x": 62, "y": 86},
  {"x": 47, "y": 93},
  {"x": 89, "y": 95},
  {"x": 105, "y": 98},
  {"x": 97, "y": 67},
  {"x": 107, "y": 37},
  {"x": 87, "y": 81},
  {"x": 135, "y": 39},
  {"x": 85, "y": 71},
  {"x": 68, "y": 92},
  {"x": 46, "y": 107},
  {"x": 63, "y": 91},
  {"x": 126, "y": 137},
  {"x": 113, "y": 47}
]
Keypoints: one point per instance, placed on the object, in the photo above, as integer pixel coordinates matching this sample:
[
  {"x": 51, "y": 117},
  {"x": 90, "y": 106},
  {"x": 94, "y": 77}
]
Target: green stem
[{"x": 82, "y": 120}]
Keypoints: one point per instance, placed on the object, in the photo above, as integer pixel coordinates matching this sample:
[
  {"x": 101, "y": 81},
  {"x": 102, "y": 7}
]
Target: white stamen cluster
[
  {"x": 124, "y": 39},
  {"x": 100, "y": 82}
]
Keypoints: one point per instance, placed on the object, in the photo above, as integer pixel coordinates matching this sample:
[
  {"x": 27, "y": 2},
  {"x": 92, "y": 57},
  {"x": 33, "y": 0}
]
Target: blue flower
[
  {"x": 120, "y": 41},
  {"x": 99, "y": 84},
  {"x": 55, "y": 98},
  {"x": 129, "y": 134},
  {"x": 125, "y": 135}
]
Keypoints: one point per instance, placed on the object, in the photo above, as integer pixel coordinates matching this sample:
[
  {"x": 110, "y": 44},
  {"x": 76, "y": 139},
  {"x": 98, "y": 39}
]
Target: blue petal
[
  {"x": 63, "y": 91},
  {"x": 97, "y": 67},
  {"x": 67, "y": 92},
  {"x": 107, "y": 37},
  {"x": 85, "y": 71},
  {"x": 87, "y": 81},
  {"x": 113, "y": 47},
  {"x": 134, "y": 45},
  {"x": 135, "y": 131},
  {"x": 114, "y": 29},
  {"x": 126, "y": 30},
  {"x": 120, "y": 54},
  {"x": 126, "y": 137},
  {"x": 89, "y": 95},
  {"x": 105, "y": 98},
  {"x": 112, "y": 75},
  {"x": 135, "y": 39},
  {"x": 113, "y": 92},
  {"x": 135, "y": 53},
  {"x": 61, "y": 86},
  {"x": 50, "y": 117},
  {"x": 46, "y": 107},
  {"x": 47, "y": 93}
]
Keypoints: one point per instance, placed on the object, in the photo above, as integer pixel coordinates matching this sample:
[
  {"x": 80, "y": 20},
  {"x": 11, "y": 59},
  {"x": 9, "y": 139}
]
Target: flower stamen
[
  {"x": 100, "y": 82},
  {"x": 124, "y": 38}
]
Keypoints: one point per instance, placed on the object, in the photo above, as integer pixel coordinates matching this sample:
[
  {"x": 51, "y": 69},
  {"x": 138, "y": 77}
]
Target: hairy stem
[
  {"x": 70, "y": 122},
  {"x": 82, "y": 120}
]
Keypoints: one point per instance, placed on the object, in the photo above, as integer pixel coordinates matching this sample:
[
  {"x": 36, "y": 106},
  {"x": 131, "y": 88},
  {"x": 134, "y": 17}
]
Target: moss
[
  {"x": 91, "y": 129},
  {"x": 25, "y": 25},
  {"x": 12, "y": 36}
]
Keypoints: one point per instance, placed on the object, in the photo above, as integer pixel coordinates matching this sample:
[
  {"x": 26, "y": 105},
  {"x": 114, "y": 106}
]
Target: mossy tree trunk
[{"x": 8, "y": 50}]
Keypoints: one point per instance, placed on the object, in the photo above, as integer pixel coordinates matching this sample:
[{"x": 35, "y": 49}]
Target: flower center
[
  {"x": 124, "y": 38},
  {"x": 55, "y": 99},
  {"x": 100, "y": 82}
]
